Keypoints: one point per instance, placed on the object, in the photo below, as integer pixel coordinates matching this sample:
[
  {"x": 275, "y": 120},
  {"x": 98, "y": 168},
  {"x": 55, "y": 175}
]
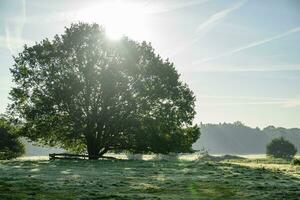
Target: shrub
[
  {"x": 295, "y": 161},
  {"x": 281, "y": 148},
  {"x": 10, "y": 146}
]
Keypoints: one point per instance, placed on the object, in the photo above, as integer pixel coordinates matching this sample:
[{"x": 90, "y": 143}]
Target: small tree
[
  {"x": 281, "y": 148},
  {"x": 10, "y": 146}
]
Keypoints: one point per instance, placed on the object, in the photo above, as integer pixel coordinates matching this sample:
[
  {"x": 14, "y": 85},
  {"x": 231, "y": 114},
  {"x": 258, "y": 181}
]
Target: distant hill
[{"x": 236, "y": 138}]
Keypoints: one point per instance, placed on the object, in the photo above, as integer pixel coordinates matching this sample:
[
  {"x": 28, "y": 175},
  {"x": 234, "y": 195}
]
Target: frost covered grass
[{"x": 149, "y": 179}]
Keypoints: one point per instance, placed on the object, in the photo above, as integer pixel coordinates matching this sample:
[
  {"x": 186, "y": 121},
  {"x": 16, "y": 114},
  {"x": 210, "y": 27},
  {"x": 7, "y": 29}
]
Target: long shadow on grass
[{"x": 123, "y": 179}]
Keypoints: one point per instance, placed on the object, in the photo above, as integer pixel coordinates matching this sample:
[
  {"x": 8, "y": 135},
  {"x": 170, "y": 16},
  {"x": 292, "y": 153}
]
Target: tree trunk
[
  {"x": 92, "y": 148},
  {"x": 95, "y": 151}
]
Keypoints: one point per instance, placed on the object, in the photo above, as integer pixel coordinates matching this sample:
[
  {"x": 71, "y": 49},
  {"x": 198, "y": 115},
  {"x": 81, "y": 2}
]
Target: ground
[{"x": 151, "y": 179}]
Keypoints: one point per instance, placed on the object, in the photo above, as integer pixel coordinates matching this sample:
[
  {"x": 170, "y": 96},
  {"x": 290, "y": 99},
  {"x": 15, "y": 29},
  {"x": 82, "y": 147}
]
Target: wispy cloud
[
  {"x": 250, "y": 100},
  {"x": 243, "y": 103},
  {"x": 147, "y": 7},
  {"x": 206, "y": 26},
  {"x": 219, "y": 16},
  {"x": 245, "y": 68},
  {"x": 244, "y": 98},
  {"x": 13, "y": 43},
  {"x": 292, "y": 103},
  {"x": 13, "y": 31},
  {"x": 251, "y": 45},
  {"x": 155, "y": 7}
]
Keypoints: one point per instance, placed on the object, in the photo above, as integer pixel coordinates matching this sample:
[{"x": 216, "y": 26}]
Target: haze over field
[
  {"x": 149, "y": 99},
  {"x": 237, "y": 138},
  {"x": 241, "y": 66},
  {"x": 225, "y": 138}
]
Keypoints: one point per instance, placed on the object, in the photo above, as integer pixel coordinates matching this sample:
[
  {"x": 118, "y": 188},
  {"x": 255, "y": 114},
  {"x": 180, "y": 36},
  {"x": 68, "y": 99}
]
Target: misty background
[{"x": 222, "y": 138}]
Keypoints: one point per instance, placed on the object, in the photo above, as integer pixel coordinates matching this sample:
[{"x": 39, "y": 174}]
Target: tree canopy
[
  {"x": 10, "y": 146},
  {"x": 82, "y": 91}
]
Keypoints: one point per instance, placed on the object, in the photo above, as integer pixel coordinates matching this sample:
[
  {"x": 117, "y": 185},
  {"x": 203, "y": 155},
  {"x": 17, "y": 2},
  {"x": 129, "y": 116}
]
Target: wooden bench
[{"x": 67, "y": 156}]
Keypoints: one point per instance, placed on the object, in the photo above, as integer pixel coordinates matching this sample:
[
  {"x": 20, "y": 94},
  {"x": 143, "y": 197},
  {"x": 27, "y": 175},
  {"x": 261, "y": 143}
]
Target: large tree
[{"x": 81, "y": 91}]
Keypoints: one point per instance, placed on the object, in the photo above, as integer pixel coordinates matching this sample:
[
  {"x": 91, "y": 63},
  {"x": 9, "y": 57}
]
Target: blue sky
[{"x": 241, "y": 58}]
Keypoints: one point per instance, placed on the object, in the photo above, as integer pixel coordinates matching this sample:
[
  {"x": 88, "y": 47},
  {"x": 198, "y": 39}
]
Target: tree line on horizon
[{"x": 237, "y": 138}]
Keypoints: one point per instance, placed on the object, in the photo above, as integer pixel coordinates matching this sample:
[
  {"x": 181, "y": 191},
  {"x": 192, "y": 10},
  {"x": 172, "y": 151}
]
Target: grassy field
[{"x": 152, "y": 179}]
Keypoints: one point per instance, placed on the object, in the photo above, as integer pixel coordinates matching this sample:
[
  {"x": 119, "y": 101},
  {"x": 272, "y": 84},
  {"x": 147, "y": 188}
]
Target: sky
[{"x": 241, "y": 58}]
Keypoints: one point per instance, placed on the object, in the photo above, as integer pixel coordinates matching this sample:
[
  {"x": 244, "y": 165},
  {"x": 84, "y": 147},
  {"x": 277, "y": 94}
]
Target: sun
[{"x": 118, "y": 18}]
